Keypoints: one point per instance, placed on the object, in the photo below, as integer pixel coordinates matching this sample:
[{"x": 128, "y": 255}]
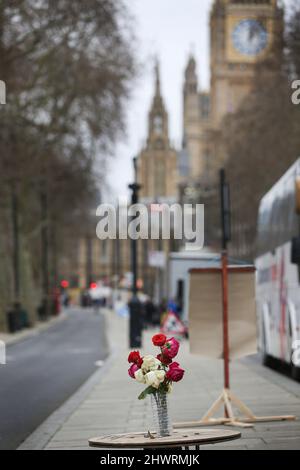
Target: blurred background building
[
  {"x": 245, "y": 122},
  {"x": 243, "y": 34}
]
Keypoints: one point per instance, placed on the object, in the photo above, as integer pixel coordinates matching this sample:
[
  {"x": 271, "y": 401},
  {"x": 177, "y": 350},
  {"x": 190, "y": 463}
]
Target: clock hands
[
  {"x": 253, "y": 31},
  {"x": 250, "y": 37}
]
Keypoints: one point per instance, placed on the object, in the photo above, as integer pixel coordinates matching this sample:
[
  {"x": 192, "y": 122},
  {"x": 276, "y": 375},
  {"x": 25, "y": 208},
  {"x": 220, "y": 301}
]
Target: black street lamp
[{"x": 135, "y": 306}]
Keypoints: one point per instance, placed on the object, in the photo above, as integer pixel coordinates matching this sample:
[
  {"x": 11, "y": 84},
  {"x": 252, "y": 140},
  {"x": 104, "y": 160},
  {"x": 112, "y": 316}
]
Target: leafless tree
[{"x": 68, "y": 69}]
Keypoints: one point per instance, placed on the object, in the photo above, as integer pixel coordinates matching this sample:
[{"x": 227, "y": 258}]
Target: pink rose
[
  {"x": 173, "y": 364},
  {"x": 170, "y": 348},
  {"x": 175, "y": 373},
  {"x": 132, "y": 370}
]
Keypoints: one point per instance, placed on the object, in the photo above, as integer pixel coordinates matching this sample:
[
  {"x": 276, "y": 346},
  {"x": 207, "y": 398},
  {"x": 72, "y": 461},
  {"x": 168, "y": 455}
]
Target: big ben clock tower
[{"x": 242, "y": 33}]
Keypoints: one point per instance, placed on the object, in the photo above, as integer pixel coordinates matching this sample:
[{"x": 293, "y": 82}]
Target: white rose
[
  {"x": 150, "y": 363},
  {"x": 139, "y": 376},
  {"x": 154, "y": 378},
  {"x": 160, "y": 374}
]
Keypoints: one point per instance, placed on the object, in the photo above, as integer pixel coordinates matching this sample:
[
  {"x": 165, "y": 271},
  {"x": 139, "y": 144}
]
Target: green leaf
[
  {"x": 163, "y": 388},
  {"x": 146, "y": 392}
]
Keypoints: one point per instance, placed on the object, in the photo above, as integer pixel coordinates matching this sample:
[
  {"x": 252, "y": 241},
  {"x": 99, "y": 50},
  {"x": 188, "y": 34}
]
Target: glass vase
[{"x": 161, "y": 418}]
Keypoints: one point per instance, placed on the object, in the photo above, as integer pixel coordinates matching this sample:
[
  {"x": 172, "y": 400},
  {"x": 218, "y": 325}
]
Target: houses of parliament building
[{"x": 242, "y": 33}]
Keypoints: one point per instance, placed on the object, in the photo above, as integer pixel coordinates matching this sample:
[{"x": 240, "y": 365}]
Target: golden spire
[{"x": 157, "y": 78}]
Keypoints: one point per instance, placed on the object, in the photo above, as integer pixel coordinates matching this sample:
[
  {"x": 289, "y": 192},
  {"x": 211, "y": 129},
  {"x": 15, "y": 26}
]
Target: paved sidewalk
[{"x": 111, "y": 404}]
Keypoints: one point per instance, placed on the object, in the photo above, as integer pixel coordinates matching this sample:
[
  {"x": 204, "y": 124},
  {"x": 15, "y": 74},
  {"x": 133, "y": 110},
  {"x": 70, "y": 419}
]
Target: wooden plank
[
  {"x": 231, "y": 269},
  {"x": 265, "y": 419},
  {"x": 200, "y": 423}
]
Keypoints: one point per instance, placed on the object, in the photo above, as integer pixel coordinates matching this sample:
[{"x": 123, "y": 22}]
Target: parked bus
[{"x": 278, "y": 271}]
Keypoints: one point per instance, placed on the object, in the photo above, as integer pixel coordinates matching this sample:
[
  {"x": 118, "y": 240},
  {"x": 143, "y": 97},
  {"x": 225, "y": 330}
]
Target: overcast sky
[{"x": 169, "y": 29}]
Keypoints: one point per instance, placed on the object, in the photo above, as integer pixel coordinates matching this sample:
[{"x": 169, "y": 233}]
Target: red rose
[
  {"x": 134, "y": 358},
  {"x": 170, "y": 348},
  {"x": 175, "y": 373},
  {"x": 139, "y": 362},
  {"x": 159, "y": 339},
  {"x": 163, "y": 359}
]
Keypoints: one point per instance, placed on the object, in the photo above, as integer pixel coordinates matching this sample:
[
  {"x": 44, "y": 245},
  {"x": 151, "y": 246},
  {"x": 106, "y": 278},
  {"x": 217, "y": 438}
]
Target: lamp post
[{"x": 135, "y": 307}]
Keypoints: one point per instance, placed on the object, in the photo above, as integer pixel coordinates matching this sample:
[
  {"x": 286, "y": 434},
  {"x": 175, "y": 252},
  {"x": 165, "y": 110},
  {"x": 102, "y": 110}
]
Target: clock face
[{"x": 250, "y": 37}]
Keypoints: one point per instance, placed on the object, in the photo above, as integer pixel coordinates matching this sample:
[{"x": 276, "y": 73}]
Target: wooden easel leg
[
  {"x": 228, "y": 405},
  {"x": 228, "y": 399},
  {"x": 215, "y": 406},
  {"x": 207, "y": 418}
]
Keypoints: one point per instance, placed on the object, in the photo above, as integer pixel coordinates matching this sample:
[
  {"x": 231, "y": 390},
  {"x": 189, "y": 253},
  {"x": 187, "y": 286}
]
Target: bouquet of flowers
[{"x": 159, "y": 372}]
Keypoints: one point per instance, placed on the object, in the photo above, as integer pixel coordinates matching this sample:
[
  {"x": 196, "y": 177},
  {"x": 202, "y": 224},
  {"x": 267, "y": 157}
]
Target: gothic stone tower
[
  {"x": 196, "y": 122},
  {"x": 242, "y": 33},
  {"x": 158, "y": 176},
  {"x": 157, "y": 162}
]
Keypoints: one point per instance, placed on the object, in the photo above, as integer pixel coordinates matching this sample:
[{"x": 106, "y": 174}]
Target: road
[{"x": 44, "y": 370}]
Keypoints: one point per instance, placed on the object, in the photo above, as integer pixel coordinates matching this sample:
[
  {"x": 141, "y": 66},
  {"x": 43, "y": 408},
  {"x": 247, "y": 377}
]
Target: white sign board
[{"x": 206, "y": 317}]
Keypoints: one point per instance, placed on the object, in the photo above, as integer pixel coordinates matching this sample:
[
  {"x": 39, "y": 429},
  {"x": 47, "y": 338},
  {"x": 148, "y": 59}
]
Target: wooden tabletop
[{"x": 179, "y": 438}]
